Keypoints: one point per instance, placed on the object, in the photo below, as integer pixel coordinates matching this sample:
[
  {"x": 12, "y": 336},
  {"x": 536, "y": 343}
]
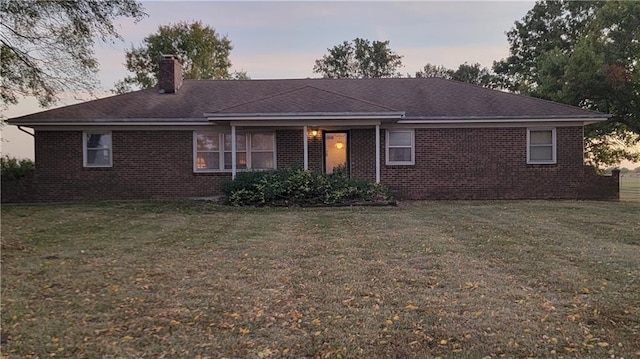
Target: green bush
[
  {"x": 294, "y": 186},
  {"x": 13, "y": 169}
]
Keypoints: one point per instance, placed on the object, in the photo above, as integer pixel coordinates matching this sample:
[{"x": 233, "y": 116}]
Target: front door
[{"x": 336, "y": 152}]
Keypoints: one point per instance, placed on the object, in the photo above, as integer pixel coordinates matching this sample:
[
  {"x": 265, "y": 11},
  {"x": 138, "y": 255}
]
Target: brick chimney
[{"x": 169, "y": 74}]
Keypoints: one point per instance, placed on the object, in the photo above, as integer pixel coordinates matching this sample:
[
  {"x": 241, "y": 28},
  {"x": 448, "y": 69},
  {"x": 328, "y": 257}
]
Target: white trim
[
  {"x": 286, "y": 119},
  {"x": 221, "y": 151},
  {"x": 233, "y": 152},
  {"x": 413, "y": 148},
  {"x": 553, "y": 144},
  {"x": 302, "y": 116},
  {"x": 305, "y": 145},
  {"x": 498, "y": 120},
  {"x": 85, "y": 164},
  {"x": 335, "y": 125},
  {"x": 201, "y": 127},
  {"x": 377, "y": 153},
  {"x": 483, "y": 125},
  {"x": 342, "y": 122},
  {"x": 110, "y": 123}
]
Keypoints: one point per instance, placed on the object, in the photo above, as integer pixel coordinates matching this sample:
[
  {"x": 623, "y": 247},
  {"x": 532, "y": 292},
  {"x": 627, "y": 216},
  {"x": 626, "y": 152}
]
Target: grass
[
  {"x": 630, "y": 188},
  {"x": 426, "y": 279}
]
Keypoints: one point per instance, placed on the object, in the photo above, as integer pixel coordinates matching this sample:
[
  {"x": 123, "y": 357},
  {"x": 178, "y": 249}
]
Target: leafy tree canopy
[
  {"x": 583, "y": 54},
  {"x": 473, "y": 74},
  {"x": 46, "y": 47},
  {"x": 204, "y": 54},
  {"x": 359, "y": 58},
  {"x": 430, "y": 70}
]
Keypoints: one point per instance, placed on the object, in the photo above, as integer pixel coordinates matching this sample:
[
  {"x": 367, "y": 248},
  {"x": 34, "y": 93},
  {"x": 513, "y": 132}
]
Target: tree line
[{"x": 579, "y": 53}]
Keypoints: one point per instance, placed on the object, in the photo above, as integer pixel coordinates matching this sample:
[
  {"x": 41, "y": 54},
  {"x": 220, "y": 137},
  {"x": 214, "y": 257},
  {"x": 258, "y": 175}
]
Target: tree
[
  {"x": 203, "y": 53},
  {"x": 547, "y": 26},
  {"x": 583, "y": 54},
  {"x": 359, "y": 59},
  {"x": 46, "y": 47},
  {"x": 473, "y": 74},
  {"x": 430, "y": 70}
]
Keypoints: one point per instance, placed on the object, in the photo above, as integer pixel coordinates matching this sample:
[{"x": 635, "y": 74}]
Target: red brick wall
[
  {"x": 363, "y": 154},
  {"x": 290, "y": 149},
  {"x": 450, "y": 164},
  {"x": 486, "y": 163},
  {"x": 595, "y": 186},
  {"x": 146, "y": 164}
]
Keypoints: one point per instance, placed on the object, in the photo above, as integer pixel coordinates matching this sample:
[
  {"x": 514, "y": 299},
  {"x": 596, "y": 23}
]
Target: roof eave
[
  {"x": 304, "y": 116},
  {"x": 111, "y": 122},
  {"x": 503, "y": 119}
]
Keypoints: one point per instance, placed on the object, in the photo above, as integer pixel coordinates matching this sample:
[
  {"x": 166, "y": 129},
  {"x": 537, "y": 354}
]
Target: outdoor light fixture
[
  {"x": 339, "y": 145},
  {"x": 314, "y": 133}
]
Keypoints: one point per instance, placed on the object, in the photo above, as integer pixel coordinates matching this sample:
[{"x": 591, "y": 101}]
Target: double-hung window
[
  {"x": 207, "y": 152},
  {"x": 213, "y": 151},
  {"x": 96, "y": 148},
  {"x": 263, "y": 151},
  {"x": 400, "y": 147},
  {"x": 241, "y": 151},
  {"x": 541, "y": 145}
]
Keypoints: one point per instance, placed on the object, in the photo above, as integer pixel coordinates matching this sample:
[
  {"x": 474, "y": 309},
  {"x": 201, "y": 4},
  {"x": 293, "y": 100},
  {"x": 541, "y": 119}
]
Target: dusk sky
[{"x": 282, "y": 39}]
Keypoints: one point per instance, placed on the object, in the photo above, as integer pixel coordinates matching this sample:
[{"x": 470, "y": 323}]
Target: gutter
[
  {"x": 25, "y": 131},
  {"x": 304, "y": 116},
  {"x": 444, "y": 120}
]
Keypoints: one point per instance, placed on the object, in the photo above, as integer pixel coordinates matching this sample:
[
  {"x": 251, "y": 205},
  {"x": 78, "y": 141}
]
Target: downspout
[
  {"x": 25, "y": 131},
  {"x": 377, "y": 153},
  {"x": 305, "y": 145},
  {"x": 233, "y": 152}
]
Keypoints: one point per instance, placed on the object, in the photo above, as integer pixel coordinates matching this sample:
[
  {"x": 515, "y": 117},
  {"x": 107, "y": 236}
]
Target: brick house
[{"x": 425, "y": 138}]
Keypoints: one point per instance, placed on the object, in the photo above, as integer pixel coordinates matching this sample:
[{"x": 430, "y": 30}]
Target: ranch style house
[{"x": 424, "y": 138}]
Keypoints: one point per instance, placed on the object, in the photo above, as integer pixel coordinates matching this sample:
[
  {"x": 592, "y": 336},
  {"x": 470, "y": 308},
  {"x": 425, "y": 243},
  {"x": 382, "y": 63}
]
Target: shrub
[
  {"x": 294, "y": 186},
  {"x": 13, "y": 169}
]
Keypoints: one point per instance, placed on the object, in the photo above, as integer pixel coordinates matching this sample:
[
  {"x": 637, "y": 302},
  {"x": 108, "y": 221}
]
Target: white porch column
[
  {"x": 377, "y": 153},
  {"x": 233, "y": 152},
  {"x": 306, "y": 147}
]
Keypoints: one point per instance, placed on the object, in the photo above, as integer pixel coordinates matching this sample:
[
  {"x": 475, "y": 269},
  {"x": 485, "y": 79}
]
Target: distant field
[{"x": 630, "y": 188}]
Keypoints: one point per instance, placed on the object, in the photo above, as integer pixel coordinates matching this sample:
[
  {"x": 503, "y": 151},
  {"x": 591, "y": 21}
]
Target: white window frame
[
  {"x": 220, "y": 151},
  {"x": 553, "y": 145},
  {"x": 85, "y": 149},
  {"x": 223, "y": 150},
  {"x": 413, "y": 148}
]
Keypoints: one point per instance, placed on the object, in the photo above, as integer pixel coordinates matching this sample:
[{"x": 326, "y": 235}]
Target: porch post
[
  {"x": 306, "y": 147},
  {"x": 233, "y": 152},
  {"x": 377, "y": 153}
]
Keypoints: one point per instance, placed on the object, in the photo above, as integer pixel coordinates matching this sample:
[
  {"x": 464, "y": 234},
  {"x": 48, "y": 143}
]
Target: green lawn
[
  {"x": 425, "y": 279},
  {"x": 629, "y": 188}
]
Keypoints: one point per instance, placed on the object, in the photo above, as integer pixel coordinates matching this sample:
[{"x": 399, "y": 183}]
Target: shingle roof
[
  {"x": 426, "y": 98},
  {"x": 305, "y": 99}
]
